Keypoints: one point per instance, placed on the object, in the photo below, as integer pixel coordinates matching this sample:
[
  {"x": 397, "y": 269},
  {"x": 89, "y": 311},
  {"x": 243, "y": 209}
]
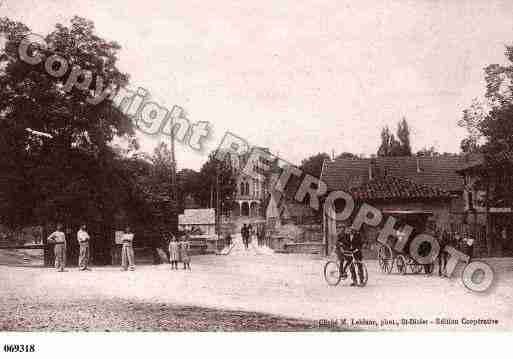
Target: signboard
[
  {"x": 500, "y": 210},
  {"x": 118, "y": 237}
]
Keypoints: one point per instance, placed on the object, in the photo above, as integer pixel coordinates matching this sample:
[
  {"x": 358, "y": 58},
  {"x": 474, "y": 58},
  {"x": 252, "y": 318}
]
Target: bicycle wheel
[
  {"x": 332, "y": 273},
  {"x": 362, "y": 276}
]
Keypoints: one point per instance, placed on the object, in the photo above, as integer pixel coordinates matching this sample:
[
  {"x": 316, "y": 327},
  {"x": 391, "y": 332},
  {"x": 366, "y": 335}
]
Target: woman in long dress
[
  {"x": 184, "y": 248},
  {"x": 174, "y": 255}
]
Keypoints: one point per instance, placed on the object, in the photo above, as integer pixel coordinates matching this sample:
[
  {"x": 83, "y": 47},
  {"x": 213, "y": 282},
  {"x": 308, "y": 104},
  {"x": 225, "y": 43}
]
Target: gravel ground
[
  {"x": 122, "y": 315},
  {"x": 246, "y": 290}
]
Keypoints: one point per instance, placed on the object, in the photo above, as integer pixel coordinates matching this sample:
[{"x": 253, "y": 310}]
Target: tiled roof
[
  {"x": 437, "y": 171},
  {"x": 484, "y": 161},
  {"x": 392, "y": 188}
]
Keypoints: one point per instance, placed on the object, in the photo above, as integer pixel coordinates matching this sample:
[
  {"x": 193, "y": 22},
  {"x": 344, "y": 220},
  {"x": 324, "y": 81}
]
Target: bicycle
[{"x": 333, "y": 274}]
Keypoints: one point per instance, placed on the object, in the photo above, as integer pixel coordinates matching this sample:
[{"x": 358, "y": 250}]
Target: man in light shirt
[
  {"x": 127, "y": 251},
  {"x": 59, "y": 238},
  {"x": 83, "y": 241}
]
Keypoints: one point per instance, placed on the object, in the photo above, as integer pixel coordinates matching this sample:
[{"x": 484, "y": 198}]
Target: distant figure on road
[
  {"x": 59, "y": 238},
  {"x": 83, "y": 241},
  {"x": 250, "y": 233},
  {"x": 174, "y": 255},
  {"x": 468, "y": 245},
  {"x": 183, "y": 249},
  {"x": 228, "y": 240},
  {"x": 244, "y": 232},
  {"x": 127, "y": 251},
  {"x": 444, "y": 239}
]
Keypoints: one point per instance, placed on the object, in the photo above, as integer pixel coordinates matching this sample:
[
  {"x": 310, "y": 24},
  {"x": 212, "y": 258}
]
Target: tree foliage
[
  {"x": 390, "y": 146},
  {"x": 492, "y": 122},
  {"x": 313, "y": 164},
  {"x": 216, "y": 178},
  {"x": 78, "y": 175},
  {"x": 472, "y": 120}
]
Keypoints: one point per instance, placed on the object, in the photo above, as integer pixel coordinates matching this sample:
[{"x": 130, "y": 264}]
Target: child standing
[
  {"x": 184, "y": 248},
  {"x": 174, "y": 254}
]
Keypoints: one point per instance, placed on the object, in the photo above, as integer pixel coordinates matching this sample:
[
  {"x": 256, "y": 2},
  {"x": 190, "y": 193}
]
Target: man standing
[
  {"x": 127, "y": 251},
  {"x": 59, "y": 238},
  {"x": 468, "y": 240},
  {"x": 356, "y": 247},
  {"x": 83, "y": 242},
  {"x": 244, "y": 235},
  {"x": 342, "y": 245}
]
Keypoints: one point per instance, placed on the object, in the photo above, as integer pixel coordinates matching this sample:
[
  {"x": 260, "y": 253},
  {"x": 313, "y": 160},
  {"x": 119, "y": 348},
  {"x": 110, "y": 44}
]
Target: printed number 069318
[{"x": 19, "y": 348}]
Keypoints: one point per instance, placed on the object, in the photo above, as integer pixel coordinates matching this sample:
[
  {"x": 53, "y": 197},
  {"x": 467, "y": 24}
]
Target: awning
[{"x": 413, "y": 212}]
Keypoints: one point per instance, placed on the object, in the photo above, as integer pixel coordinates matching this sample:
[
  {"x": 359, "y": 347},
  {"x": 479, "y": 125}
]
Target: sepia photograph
[{"x": 238, "y": 166}]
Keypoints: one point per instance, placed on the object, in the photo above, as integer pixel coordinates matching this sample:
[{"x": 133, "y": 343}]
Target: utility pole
[
  {"x": 173, "y": 190},
  {"x": 218, "y": 214}
]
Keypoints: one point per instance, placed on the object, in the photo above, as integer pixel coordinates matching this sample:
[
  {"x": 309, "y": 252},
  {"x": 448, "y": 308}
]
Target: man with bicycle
[{"x": 349, "y": 240}]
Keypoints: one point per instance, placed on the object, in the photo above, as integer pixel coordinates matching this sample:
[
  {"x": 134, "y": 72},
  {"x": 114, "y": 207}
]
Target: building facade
[
  {"x": 250, "y": 193},
  {"x": 488, "y": 195},
  {"x": 424, "y": 192}
]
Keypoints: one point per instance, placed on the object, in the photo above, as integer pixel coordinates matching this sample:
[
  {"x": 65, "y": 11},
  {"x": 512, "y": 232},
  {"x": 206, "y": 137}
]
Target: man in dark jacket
[
  {"x": 355, "y": 239},
  {"x": 342, "y": 245}
]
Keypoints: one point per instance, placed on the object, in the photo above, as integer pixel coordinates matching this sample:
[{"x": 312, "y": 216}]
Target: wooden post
[
  {"x": 47, "y": 249},
  {"x": 488, "y": 236},
  {"x": 325, "y": 232}
]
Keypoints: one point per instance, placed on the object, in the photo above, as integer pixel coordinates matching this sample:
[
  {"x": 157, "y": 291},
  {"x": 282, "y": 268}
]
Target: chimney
[
  {"x": 371, "y": 164},
  {"x": 418, "y": 166}
]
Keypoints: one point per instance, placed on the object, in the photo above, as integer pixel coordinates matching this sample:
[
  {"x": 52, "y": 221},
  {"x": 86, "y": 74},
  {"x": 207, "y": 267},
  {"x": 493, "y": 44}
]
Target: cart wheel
[
  {"x": 428, "y": 268},
  {"x": 401, "y": 264},
  {"x": 362, "y": 276},
  {"x": 416, "y": 268},
  {"x": 385, "y": 259},
  {"x": 332, "y": 273}
]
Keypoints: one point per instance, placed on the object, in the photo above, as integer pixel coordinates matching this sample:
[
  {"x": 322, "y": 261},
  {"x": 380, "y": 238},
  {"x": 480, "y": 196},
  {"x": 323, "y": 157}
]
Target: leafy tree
[
  {"x": 403, "y": 135},
  {"x": 496, "y": 125},
  {"x": 390, "y": 146},
  {"x": 313, "y": 164},
  {"x": 216, "y": 174},
  {"x": 189, "y": 184},
  {"x": 472, "y": 120},
  {"x": 77, "y": 175}
]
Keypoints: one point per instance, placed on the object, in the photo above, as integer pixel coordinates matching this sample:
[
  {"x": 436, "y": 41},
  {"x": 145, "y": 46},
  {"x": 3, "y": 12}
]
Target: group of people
[
  {"x": 58, "y": 238},
  {"x": 246, "y": 232},
  {"x": 463, "y": 242},
  {"x": 178, "y": 249}
]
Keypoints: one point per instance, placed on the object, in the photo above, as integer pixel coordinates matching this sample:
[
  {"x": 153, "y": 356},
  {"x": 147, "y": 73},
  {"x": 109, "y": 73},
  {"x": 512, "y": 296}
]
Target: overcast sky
[{"x": 300, "y": 77}]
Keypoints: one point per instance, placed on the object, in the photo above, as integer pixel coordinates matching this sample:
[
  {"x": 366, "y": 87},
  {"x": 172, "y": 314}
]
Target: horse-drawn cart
[{"x": 389, "y": 258}]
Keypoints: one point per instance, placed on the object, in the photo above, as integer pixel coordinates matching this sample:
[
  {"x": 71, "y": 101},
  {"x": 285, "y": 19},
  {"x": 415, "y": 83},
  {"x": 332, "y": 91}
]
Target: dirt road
[{"x": 254, "y": 281}]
